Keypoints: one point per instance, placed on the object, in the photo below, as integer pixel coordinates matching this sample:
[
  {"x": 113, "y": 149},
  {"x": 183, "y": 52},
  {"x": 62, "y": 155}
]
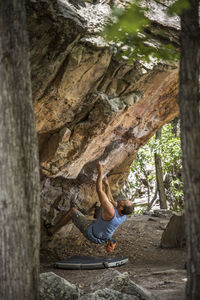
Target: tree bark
[
  {"x": 19, "y": 179},
  {"x": 189, "y": 101},
  {"x": 159, "y": 177}
]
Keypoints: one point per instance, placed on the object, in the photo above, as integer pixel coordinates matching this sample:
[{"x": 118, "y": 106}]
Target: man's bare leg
[{"x": 62, "y": 221}]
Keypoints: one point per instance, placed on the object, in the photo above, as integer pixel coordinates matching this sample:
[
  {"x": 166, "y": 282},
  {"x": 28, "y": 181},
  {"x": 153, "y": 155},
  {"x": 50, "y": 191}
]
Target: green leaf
[
  {"x": 127, "y": 21},
  {"x": 178, "y": 7}
]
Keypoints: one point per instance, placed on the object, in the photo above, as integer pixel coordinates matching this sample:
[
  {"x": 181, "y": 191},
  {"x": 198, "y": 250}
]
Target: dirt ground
[{"x": 161, "y": 271}]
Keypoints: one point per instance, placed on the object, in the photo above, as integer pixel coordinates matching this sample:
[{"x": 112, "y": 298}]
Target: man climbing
[{"x": 111, "y": 215}]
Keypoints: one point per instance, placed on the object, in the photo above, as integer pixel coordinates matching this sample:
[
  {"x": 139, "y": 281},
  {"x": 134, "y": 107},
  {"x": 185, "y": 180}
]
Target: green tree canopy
[{"x": 134, "y": 36}]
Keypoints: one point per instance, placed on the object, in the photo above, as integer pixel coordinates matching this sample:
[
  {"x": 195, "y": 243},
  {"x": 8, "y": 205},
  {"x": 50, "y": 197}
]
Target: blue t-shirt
[{"x": 101, "y": 231}]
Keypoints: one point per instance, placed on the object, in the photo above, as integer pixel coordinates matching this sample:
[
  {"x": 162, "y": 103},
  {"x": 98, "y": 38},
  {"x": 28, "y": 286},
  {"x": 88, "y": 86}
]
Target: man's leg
[
  {"x": 62, "y": 221},
  {"x": 81, "y": 222}
]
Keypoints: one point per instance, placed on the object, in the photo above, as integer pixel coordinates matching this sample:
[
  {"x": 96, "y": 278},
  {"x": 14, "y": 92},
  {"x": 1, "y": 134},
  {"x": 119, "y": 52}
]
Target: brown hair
[{"x": 127, "y": 210}]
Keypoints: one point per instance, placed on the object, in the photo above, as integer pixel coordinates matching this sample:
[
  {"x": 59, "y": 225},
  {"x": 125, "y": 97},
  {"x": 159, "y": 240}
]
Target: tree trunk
[
  {"x": 189, "y": 102},
  {"x": 174, "y": 123},
  {"x": 19, "y": 179},
  {"x": 159, "y": 177}
]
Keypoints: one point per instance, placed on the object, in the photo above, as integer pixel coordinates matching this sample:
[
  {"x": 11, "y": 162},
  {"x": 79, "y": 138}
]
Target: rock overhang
[{"x": 89, "y": 106}]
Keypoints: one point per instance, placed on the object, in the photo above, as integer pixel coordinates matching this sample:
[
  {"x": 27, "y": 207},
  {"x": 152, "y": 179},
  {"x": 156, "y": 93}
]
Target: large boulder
[
  {"x": 89, "y": 106},
  {"x": 174, "y": 235}
]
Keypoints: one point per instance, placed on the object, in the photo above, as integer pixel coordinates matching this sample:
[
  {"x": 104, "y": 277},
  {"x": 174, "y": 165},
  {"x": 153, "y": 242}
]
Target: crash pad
[{"x": 89, "y": 262}]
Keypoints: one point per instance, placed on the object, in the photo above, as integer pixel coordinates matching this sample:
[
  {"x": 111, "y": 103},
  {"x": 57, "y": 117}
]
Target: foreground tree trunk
[
  {"x": 159, "y": 177},
  {"x": 19, "y": 176},
  {"x": 190, "y": 134}
]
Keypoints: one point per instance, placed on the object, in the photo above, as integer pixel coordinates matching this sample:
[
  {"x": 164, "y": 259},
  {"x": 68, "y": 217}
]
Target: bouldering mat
[{"x": 88, "y": 262}]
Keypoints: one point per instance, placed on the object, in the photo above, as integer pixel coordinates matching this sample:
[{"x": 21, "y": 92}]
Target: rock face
[{"x": 88, "y": 106}]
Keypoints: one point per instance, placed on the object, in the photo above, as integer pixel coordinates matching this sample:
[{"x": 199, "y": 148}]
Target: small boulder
[
  {"x": 53, "y": 287},
  {"x": 174, "y": 234},
  {"x": 120, "y": 283}
]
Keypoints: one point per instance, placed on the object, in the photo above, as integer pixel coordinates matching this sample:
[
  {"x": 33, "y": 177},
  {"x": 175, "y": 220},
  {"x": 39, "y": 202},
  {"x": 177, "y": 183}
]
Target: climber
[{"x": 112, "y": 214}]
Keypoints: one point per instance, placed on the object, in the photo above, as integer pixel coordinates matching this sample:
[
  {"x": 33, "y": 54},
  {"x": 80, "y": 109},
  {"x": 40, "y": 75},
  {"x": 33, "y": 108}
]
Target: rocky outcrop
[
  {"x": 110, "y": 285},
  {"x": 56, "y": 287},
  {"x": 174, "y": 235},
  {"x": 89, "y": 106}
]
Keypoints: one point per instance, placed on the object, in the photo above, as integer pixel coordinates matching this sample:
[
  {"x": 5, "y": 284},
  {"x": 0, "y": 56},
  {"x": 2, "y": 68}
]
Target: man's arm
[
  {"x": 108, "y": 208},
  {"x": 108, "y": 192}
]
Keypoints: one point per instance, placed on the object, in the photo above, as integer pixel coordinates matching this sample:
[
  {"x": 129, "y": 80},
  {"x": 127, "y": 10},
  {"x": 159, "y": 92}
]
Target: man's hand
[{"x": 110, "y": 246}]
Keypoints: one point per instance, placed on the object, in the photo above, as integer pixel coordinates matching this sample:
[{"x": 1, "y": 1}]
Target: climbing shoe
[{"x": 110, "y": 246}]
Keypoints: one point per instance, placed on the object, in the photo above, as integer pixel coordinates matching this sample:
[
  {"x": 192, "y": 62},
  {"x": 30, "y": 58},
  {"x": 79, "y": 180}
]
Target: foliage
[
  {"x": 129, "y": 31},
  {"x": 178, "y": 7},
  {"x": 169, "y": 148},
  {"x": 140, "y": 209}
]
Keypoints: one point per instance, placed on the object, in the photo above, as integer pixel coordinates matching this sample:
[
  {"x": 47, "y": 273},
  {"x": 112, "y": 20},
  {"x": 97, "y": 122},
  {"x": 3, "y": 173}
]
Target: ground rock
[
  {"x": 53, "y": 287},
  {"x": 111, "y": 285},
  {"x": 160, "y": 213},
  {"x": 108, "y": 294},
  {"x": 121, "y": 283},
  {"x": 174, "y": 234}
]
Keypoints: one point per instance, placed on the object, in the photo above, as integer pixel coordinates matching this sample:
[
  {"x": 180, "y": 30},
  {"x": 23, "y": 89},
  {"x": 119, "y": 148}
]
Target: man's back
[{"x": 102, "y": 230}]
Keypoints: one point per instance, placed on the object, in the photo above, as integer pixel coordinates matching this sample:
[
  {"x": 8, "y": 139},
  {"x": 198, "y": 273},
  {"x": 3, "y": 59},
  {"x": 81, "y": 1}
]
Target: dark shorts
[{"x": 81, "y": 222}]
